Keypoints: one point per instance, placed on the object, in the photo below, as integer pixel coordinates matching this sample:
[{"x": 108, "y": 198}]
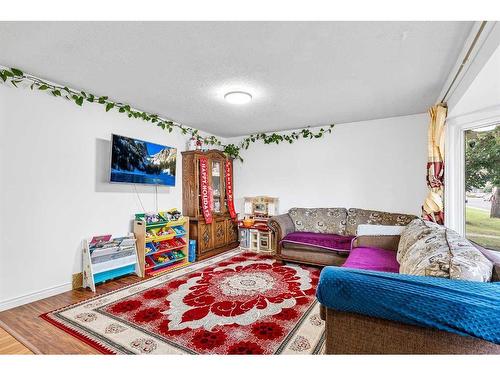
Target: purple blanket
[
  {"x": 373, "y": 259},
  {"x": 326, "y": 241}
]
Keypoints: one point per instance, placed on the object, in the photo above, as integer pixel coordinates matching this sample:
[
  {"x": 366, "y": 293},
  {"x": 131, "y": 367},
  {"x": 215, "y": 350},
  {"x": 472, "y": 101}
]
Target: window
[{"x": 482, "y": 185}]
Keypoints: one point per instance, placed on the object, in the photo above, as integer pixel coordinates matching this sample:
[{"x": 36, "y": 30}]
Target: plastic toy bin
[{"x": 142, "y": 217}]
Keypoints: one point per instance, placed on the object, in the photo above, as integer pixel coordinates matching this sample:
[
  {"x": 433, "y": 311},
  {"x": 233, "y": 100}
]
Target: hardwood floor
[
  {"x": 41, "y": 337},
  {"x": 9, "y": 345}
]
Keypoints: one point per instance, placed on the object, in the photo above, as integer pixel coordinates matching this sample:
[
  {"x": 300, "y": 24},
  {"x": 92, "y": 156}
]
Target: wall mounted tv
[{"x": 140, "y": 162}]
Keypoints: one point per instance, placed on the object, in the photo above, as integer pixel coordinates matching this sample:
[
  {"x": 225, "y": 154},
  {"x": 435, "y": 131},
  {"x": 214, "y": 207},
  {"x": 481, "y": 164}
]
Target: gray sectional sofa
[{"x": 338, "y": 222}]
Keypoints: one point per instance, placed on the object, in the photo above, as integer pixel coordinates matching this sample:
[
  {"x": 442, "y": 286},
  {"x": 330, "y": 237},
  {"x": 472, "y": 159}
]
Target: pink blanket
[{"x": 373, "y": 259}]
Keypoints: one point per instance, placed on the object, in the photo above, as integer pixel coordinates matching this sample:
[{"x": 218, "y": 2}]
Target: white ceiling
[{"x": 299, "y": 73}]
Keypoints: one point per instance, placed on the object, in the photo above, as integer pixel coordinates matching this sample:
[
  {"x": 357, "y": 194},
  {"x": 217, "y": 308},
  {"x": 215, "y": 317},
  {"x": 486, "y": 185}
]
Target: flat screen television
[{"x": 140, "y": 162}]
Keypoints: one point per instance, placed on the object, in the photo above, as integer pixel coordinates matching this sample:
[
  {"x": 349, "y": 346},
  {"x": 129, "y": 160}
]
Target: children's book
[{"x": 98, "y": 241}]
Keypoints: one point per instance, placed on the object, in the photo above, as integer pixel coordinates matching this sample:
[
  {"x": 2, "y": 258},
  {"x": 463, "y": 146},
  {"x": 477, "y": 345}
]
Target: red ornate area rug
[{"x": 235, "y": 303}]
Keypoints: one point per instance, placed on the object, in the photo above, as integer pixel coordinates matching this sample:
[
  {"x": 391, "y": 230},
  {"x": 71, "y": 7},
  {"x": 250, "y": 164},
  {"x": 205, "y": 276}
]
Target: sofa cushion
[
  {"x": 380, "y": 242},
  {"x": 319, "y": 240},
  {"x": 356, "y": 216},
  {"x": 319, "y": 220},
  {"x": 372, "y": 258},
  {"x": 440, "y": 252},
  {"x": 312, "y": 255}
]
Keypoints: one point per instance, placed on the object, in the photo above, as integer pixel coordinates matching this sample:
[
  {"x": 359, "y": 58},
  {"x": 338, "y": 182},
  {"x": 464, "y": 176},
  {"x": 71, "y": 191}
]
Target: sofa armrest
[
  {"x": 493, "y": 257},
  {"x": 281, "y": 225},
  {"x": 456, "y": 306},
  {"x": 495, "y": 275},
  {"x": 382, "y": 242}
]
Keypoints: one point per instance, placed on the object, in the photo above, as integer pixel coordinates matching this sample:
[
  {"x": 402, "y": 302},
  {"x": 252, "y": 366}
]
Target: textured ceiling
[{"x": 299, "y": 73}]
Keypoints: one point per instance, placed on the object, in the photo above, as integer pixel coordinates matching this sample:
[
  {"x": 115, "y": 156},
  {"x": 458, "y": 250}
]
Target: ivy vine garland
[{"x": 16, "y": 76}]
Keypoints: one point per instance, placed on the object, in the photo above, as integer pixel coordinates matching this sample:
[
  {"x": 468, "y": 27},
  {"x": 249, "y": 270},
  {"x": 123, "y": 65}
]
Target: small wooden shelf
[{"x": 140, "y": 229}]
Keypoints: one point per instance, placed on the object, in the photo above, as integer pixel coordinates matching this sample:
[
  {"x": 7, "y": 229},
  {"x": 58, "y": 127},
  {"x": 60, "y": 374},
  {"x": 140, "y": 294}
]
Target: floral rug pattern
[{"x": 235, "y": 303}]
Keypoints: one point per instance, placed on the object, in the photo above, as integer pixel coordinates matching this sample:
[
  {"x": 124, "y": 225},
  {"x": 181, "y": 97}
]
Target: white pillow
[{"x": 379, "y": 230}]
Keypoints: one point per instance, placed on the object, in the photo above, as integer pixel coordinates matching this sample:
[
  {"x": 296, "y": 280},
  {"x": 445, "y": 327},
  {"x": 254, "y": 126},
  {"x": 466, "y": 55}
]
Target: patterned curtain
[{"x": 433, "y": 208}]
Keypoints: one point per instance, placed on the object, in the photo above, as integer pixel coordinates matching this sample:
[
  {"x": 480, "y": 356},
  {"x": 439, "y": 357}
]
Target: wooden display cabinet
[{"x": 222, "y": 233}]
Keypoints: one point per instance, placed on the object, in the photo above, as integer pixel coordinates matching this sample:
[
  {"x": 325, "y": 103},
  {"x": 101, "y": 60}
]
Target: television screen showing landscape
[{"x": 141, "y": 162}]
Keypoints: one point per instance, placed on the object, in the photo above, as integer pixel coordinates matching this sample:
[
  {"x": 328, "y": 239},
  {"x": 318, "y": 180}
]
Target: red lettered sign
[
  {"x": 229, "y": 189},
  {"x": 205, "y": 191}
]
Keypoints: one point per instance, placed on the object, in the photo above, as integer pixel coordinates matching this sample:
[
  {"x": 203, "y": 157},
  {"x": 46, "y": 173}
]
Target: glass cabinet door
[{"x": 217, "y": 185}]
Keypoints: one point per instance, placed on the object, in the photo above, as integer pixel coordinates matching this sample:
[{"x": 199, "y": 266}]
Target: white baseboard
[{"x": 35, "y": 296}]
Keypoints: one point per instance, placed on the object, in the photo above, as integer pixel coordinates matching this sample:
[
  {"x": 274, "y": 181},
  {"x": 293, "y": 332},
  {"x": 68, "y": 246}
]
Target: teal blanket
[{"x": 463, "y": 307}]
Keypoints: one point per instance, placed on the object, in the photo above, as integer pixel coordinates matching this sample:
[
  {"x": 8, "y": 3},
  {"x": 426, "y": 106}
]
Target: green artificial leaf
[
  {"x": 103, "y": 99},
  {"x": 17, "y": 72},
  {"x": 230, "y": 150}
]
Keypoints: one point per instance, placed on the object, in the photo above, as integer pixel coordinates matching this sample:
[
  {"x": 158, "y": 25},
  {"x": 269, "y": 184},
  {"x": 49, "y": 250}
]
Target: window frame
[{"x": 454, "y": 188}]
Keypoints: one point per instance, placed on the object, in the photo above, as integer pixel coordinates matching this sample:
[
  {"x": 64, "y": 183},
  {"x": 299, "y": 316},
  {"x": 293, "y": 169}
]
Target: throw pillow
[
  {"x": 441, "y": 252},
  {"x": 411, "y": 233},
  {"x": 379, "y": 230},
  {"x": 319, "y": 220}
]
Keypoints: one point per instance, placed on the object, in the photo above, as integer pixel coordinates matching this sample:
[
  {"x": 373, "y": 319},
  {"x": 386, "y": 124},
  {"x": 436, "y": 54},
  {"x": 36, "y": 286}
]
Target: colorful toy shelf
[
  {"x": 162, "y": 241},
  {"x": 107, "y": 257}
]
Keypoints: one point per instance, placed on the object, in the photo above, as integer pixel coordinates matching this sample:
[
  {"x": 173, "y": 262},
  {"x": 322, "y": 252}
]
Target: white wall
[
  {"x": 376, "y": 164},
  {"x": 54, "y": 163},
  {"x": 484, "y": 91}
]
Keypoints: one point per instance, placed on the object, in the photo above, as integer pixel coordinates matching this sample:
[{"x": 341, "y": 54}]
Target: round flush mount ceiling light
[{"x": 238, "y": 97}]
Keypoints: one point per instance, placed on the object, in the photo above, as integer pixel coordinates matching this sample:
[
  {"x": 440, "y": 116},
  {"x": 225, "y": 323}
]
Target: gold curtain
[{"x": 433, "y": 208}]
